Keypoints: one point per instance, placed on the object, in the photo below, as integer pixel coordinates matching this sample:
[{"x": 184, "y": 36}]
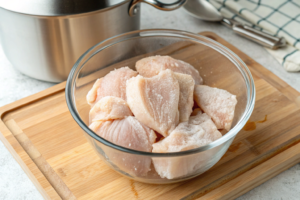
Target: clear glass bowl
[{"x": 218, "y": 66}]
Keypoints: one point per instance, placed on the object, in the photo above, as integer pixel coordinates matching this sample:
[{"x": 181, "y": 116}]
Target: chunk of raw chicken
[
  {"x": 92, "y": 94},
  {"x": 109, "y": 108},
  {"x": 199, "y": 131},
  {"x": 186, "y": 136},
  {"x": 186, "y": 101},
  {"x": 217, "y": 103},
  {"x": 152, "y": 65},
  {"x": 129, "y": 133},
  {"x": 154, "y": 101},
  {"x": 113, "y": 84},
  {"x": 203, "y": 120}
]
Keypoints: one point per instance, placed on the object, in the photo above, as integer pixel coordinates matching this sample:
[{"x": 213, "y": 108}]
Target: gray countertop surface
[{"x": 14, "y": 183}]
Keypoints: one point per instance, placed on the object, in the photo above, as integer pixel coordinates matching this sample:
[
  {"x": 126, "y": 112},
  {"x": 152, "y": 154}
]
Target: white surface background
[{"x": 14, "y": 183}]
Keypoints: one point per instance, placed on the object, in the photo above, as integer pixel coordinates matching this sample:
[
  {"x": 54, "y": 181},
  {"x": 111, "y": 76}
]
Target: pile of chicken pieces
[{"x": 153, "y": 110}]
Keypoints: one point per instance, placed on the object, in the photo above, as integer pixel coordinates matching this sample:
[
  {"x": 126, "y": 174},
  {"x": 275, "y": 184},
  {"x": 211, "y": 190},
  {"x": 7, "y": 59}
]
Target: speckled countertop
[{"x": 14, "y": 183}]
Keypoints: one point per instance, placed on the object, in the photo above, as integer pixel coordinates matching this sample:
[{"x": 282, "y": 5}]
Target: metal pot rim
[{"x": 58, "y": 8}]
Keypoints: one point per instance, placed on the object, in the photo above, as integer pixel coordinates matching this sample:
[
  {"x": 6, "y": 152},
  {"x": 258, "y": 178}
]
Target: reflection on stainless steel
[
  {"x": 46, "y": 48},
  {"x": 43, "y": 39},
  {"x": 57, "y": 7},
  {"x": 205, "y": 11},
  {"x": 262, "y": 38},
  {"x": 157, "y": 4}
]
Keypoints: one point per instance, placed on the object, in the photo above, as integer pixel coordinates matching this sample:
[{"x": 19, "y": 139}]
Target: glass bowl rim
[{"x": 251, "y": 93}]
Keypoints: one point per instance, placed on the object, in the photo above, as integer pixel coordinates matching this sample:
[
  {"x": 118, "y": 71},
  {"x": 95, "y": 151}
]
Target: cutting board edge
[
  {"x": 230, "y": 195},
  {"x": 14, "y": 106},
  {"x": 31, "y": 99},
  {"x": 291, "y": 157},
  {"x": 19, "y": 160}
]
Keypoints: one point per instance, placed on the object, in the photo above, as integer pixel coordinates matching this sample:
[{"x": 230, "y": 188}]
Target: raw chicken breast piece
[
  {"x": 154, "y": 101},
  {"x": 217, "y": 103},
  {"x": 199, "y": 118},
  {"x": 152, "y": 65},
  {"x": 186, "y": 101},
  {"x": 113, "y": 84},
  {"x": 92, "y": 94},
  {"x": 109, "y": 108},
  {"x": 129, "y": 133},
  {"x": 185, "y": 137},
  {"x": 203, "y": 120}
]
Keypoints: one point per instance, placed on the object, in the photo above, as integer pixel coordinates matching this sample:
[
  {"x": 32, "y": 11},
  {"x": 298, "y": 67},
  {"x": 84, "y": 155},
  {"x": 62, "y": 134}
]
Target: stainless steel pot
[{"x": 44, "y": 38}]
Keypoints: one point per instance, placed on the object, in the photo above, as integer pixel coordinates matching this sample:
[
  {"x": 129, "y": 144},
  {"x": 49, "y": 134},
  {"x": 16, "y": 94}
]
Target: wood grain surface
[{"x": 50, "y": 147}]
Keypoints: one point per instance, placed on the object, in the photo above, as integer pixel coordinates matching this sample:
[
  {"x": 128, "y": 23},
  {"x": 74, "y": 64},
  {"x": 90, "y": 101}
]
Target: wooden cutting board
[{"x": 48, "y": 144}]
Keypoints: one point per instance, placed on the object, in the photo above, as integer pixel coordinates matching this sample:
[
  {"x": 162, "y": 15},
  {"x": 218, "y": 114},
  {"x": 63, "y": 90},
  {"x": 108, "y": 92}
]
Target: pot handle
[{"x": 155, "y": 3}]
